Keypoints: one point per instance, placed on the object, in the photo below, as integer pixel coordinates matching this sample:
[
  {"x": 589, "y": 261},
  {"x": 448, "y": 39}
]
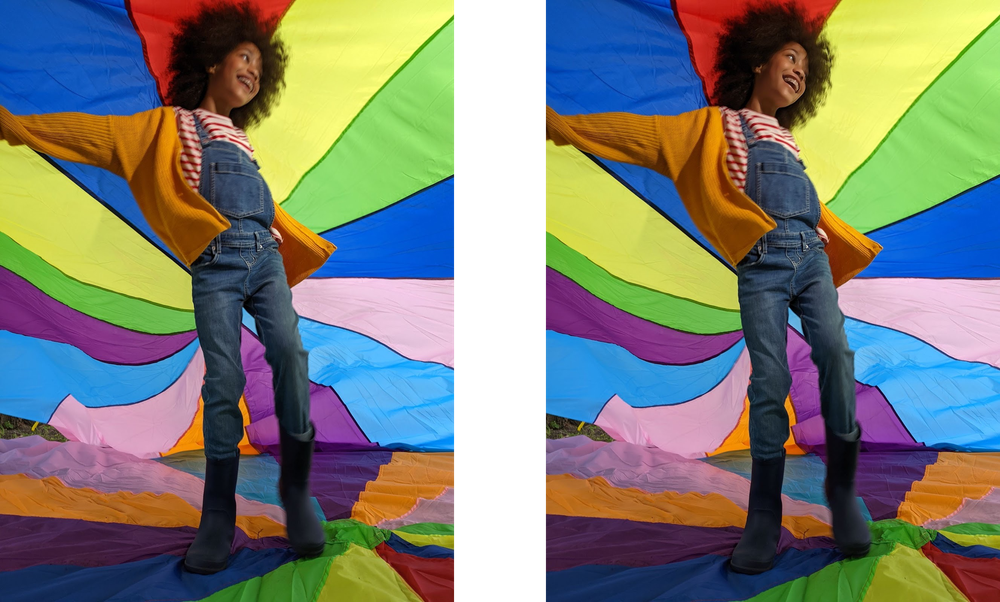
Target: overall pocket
[
  {"x": 236, "y": 189},
  {"x": 782, "y": 190}
]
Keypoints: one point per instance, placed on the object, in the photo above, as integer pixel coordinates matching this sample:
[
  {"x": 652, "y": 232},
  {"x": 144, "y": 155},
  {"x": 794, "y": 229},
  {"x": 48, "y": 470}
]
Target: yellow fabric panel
[
  {"x": 342, "y": 54},
  {"x": 400, "y": 483},
  {"x": 567, "y": 495},
  {"x": 595, "y": 215},
  {"x": 48, "y": 214},
  {"x": 906, "y": 574},
  {"x": 49, "y": 497},
  {"x": 883, "y": 61},
  {"x": 419, "y": 539},
  {"x": 966, "y": 539},
  {"x": 361, "y": 574}
]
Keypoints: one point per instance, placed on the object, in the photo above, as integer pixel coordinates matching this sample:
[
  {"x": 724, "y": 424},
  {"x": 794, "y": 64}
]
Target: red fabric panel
[
  {"x": 977, "y": 578},
  {"x": 432, "y": 578}
]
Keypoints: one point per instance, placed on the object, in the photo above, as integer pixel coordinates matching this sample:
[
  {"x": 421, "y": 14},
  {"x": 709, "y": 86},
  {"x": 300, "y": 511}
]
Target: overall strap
[
  {"x": 751, "y": 138},
  {"x": 202, "y": 135}
]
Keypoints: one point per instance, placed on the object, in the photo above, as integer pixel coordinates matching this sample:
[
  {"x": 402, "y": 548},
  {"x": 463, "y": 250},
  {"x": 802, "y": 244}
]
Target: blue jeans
[
  {"x": 237, "y": 271},
  {"x": 772, "y": 279}
]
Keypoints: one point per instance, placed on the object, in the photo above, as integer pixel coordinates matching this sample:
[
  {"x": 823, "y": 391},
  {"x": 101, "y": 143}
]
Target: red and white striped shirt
[
  {"x": 764, "y": 127},
  {"x": 217, "y": 127}
]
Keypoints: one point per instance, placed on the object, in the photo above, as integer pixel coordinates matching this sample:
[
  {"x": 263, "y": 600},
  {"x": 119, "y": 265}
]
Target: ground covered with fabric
[
  {"x": 97, "y": 330},
  {"x": 644, "y": 330},
  {"x": 628, "y": 523},
  {"x": 81, "y": 523}
]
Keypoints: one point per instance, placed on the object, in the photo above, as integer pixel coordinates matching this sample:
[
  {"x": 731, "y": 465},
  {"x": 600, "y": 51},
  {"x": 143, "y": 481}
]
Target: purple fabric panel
[
  {"x": 334, "y": 424},
  {"x": 26, "y": 310},
  {"x": 571, "y": 310},
  {"x": 884, "y": 478},
  {"x": 27, "y": 541},
  {"x": 881, "y": 427},
  {"x": 259, "y": 390},
  {"x": 338, "y": 477},
  {"x": 805, "y": 387},
  {"x": 576, "y": 541}
]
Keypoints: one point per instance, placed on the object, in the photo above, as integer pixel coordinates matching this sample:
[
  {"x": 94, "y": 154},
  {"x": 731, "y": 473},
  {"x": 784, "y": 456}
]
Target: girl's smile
[
  {"x": 781, "y": 81},
  {"x": 235, "y": 81}
]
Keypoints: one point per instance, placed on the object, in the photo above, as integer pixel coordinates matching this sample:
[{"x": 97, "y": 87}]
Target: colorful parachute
[
  {"x": 644, "y": 328},
  {"x": 96, "y": 325}
]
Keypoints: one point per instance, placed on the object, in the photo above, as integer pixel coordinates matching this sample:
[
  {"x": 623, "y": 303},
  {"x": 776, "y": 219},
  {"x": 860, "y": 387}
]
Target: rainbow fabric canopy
[
  {"x": 97, "y": 332},
  {"x": 644, "y": 328}
]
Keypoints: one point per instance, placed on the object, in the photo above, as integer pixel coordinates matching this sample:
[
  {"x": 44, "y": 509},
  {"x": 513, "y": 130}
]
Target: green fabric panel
[
  {"x": 845, "y": 580},
  {"x": 895, "y": 530},
  {"x": 942, "y": 146},
  {"x": 341, "y": 533},
  {"x": 105, "y": 305},
  {"x": 298, "y": 581},
  {"x": 428, "y": 529},
  {"x": 973, "y": 529},
  {"x": 662, "y": 308},
  {"x": 400, "y": 143},
  {"x": 302, "y": 580}
]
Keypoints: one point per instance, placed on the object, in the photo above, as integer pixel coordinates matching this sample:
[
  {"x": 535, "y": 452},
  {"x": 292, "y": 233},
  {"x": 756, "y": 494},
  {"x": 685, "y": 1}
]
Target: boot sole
[
  {"x": 205, "y": 569},
  {"x": 750, "y": 570},
  {"x": 310, "y": 552},
  {"x": 855, "y": 552}
]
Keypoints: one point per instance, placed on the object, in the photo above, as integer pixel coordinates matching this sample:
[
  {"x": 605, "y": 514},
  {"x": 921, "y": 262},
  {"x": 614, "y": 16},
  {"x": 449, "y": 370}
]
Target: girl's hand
[
  {"x": 276, "y": 235},
  {"x": 822, "y": 236}
]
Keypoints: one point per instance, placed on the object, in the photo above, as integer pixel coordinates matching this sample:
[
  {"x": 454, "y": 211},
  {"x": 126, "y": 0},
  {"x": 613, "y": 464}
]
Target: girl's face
[
  {"x": 236, "y": 80},
  {"x": 782, "y": 80}
]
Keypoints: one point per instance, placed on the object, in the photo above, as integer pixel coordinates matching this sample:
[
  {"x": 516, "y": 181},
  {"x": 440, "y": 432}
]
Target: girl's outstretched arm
[
  {"x": 690, "y": 149},
  {"x": 625, "y": 137},
  {"x": 145, "y": 150},
  {"x": 77, "y": 137}
]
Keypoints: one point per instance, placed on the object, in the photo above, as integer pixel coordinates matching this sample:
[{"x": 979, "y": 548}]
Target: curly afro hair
[
  {"x": 751, "y": 39},
  {"x": 206, "y": 38}
]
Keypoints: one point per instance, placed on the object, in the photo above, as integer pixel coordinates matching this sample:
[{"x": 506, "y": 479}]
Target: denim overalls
[
  {"x": 788, "y": 268},
  {"x": 242, "y": 268}
]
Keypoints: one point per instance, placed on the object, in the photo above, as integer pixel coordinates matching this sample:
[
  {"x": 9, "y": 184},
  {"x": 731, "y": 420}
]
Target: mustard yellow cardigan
[
  {"x": 145, "y": 149},
  {"x": 690, "y": 149}
]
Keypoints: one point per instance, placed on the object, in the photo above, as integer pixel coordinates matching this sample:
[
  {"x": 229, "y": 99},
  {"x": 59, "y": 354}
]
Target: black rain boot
[
  {"x": 849, "y": 527},
  {"x": 209, "y": 552},
  {"x": 759, "y": 543},
  {"x": 305, "y": 532}
]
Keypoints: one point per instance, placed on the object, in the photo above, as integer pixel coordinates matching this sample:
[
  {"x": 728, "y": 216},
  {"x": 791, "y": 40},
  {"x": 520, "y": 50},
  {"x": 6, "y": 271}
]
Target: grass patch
[
  {"x": 557, "y": 427},
  {"x": 13, "y": 428}
]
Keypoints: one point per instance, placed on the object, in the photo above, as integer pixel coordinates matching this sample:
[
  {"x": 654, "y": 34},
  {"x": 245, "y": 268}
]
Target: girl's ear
[
  {"x": 211, "y": 69},
  {"x": 758, "y": 68}
]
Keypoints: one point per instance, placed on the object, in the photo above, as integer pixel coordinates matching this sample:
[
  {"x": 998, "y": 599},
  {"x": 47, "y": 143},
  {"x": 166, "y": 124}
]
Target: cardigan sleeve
[
  {"x": 624, "y": 137},
  {"x": 849, "y": 251},
  {"x": 690, "y": 149},
  {"x": 77, "y": 137}
]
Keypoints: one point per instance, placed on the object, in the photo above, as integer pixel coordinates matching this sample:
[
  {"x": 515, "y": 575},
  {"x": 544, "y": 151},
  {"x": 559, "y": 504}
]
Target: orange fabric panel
[
  {"x": 400, "y": 483},
  {"x": 194, "y": 438},
  {"x": 567, "y": 495},
  {"x": 948, "y": 483},
  {"x": 740, "y": 437},
  {"x": 21, "y": 495}
]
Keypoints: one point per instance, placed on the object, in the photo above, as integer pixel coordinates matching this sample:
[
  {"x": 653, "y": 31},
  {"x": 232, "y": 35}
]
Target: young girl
[
  {"x": 227, "y": 71},
  {"x": 789, "y": 250}
]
